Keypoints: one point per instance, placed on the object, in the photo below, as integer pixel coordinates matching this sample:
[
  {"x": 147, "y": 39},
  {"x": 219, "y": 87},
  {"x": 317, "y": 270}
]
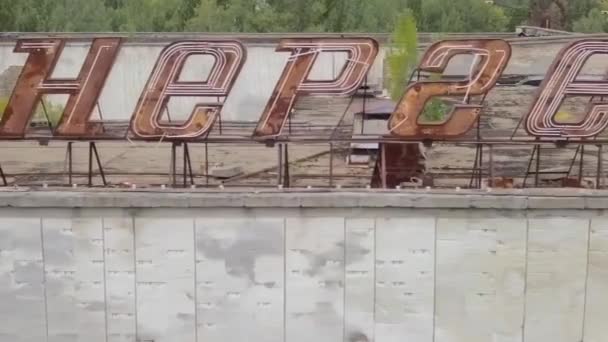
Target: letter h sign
[{"x": 35, "y": 81}]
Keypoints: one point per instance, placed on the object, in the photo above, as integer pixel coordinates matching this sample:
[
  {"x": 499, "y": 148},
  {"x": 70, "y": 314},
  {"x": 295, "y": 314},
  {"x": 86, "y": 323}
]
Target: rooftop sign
[{"x": 393, "y": 148}]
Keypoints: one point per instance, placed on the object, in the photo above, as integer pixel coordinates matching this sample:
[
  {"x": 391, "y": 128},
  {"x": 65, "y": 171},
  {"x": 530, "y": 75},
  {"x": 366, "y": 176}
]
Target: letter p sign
[{"x": 294, "y": 81}]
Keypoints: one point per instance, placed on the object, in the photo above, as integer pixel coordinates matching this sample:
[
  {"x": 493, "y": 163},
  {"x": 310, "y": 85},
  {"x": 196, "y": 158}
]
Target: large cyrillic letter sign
[
  {"x": 35, "y": 81},
  {"x": 295, "y": 82},
  {"x": 560, "y": 82},
  {"x": 164, "y": 83},
  {"x": 490, "y": 59}
]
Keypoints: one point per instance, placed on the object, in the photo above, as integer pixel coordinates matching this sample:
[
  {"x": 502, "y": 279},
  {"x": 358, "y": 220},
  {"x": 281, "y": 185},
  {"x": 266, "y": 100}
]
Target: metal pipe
[
  {"x": 331, "y": 164},
  {"x": 536, "y": 177},
  {"x": 491, "y": 181},
  {"x": 99, "y": 165},
  {"x": 600, "y": 167},
  {"x": 90, "y": 164},
  {"x": 280, "y": 166},
  {"x": 70, "y": 162},
  {"x": 206, "y": 164},
  {"x": 184, "y": 167},
  {"x": 383, "y": 166},
  {"x": 173, "y": 162},
  {"x": 581, "y": 165}
]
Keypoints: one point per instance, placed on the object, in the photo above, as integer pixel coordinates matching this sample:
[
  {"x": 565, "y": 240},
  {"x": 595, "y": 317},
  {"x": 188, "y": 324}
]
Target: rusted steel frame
[
  {"x": 578, "y": 149},
  {"x": 187, "y": 168},
  {"x": 364, "y": 102},
  {"x": 537, "y": 174},
  {"x": 322, "y": 175},
  {"x": 383, "y": 166},
  {"x": 478, "y": 169},
  {"x": 185, "y": 162},
  {"x": 286, "y": 176},
  {"x": 206, "y": 164},
  {"x": 3, "y": 176},
  {"x": 480, "y": 177},
  {"x": 93, "y": 151},
  {"x": 475, "y": 168},
  {"x": 491, "y": 180},
  {"x": 90, "y": 173},
  {"x": 70, "y": 161},
  {"x": 338, "y": 126},
  {"x": 173, "y": 166},
  {"x": 323, "y": 140},
  {"x": 600, "y": 167},
  {"x": 46, "y": 114},
  {"x": 581, "y": 165},
  {"x": 331, "y": 164},
  {"x": 280, "y": 164},
  {"x": 86, "y": 173},
  {"x": 529, "y": 168}
]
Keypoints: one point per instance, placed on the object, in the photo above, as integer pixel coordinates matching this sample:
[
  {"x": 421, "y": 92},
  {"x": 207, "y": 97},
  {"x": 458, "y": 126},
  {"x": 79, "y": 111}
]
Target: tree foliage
[
  {"x": 403, "y": 56},
  {"x": 594, "y": 22},
  {"x": 286, "y": 15},
  {"x": 461, "y": 16}
]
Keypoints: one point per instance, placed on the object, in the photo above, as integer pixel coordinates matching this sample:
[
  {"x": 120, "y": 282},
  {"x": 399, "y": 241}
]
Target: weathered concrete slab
[
  {"x": 240, "y": 279},
  {"x": 596, "y": 303},
  {"x": 22, "y": 286},
  {"x": 208, "y": 268},
  {"x": 165, "y": 281},
  {"x": 405, "y": 276},
  {"x": 360, "y": 288},
  {"x": 315, "y": 275},
  {"x": 121, "y": 307},
  {"x": 480, "y": 284},
  {"x": 74, "y": 279},
  {"x": 556, "y": 279}
]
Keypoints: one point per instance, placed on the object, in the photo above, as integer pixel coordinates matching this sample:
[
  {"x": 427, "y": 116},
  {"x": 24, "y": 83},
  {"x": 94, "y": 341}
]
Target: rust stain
[{"x": 490, "y": 59}]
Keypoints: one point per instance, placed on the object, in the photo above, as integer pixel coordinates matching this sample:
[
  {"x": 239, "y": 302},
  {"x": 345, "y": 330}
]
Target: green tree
[
  {"x": 594, "y": 22},
  {"x": 580, "y": 8},
  {"x": 80, "y": 16},
  {"x": 403, "y": 55},
  {"x": 237, "y": 16},
  {"x": 461, "y": 16},
  {"x": 32, "y": 15},
  {"x": 7, "y": 15},
  {"x": 67, "y": 15},
  {"x": 150, "y": 16}
]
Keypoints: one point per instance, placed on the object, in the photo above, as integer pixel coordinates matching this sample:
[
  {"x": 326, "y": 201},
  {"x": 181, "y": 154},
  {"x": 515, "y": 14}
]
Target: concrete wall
[{"x": 368, "y": 266}]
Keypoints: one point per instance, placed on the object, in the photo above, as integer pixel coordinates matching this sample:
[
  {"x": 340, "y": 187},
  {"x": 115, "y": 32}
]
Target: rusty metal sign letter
[
  {"x": 295, "y": 82},
  {"x": 490, "y": 58},
  {"x": 560, "y": 82},
  {"x": 35, "y": 81},
  {"x": 164, "y": 83}
]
